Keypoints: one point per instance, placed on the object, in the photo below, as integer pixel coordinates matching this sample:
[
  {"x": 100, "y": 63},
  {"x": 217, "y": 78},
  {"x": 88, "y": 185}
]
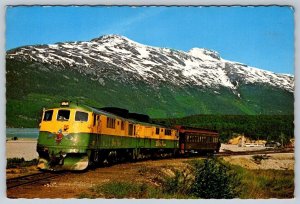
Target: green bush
[
  {"x": 180, "y": 183},
  {"x": 20, "y": 162},
  {"x": 213, "y": 179}
]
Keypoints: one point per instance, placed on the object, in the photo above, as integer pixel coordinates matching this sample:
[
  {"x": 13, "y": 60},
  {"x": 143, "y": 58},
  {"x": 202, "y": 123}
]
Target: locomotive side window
[
  {"x": 157, "y": 131},
  {"x": 167, "y": 132},
  {"x": 48, "y": 115},
  {"x": 81, "y": 116},
  {"x": 122, "y": 125},
  {"x": 63, "y": 115},
  {"x": 130, "y": 129},
  {"x": 111, "y": 123}
]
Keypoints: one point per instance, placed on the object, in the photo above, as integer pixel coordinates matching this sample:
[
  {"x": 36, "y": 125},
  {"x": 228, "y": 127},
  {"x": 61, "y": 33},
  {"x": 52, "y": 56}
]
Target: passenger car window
[
  {"x": 81, "y": 116},
  {"x": 63, "y": 115},
  {"x": 48, "y": 115}
]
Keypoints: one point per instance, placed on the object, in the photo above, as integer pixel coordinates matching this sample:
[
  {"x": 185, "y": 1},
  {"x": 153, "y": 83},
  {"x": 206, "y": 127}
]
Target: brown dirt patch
[
  {"x": 148, "y": 172},
  {"x": 74, "y": 184}
]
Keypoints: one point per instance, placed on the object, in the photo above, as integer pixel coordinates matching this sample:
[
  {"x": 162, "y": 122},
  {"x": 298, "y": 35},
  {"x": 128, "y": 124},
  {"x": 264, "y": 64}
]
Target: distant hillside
[{"x": 267, "y": 127}]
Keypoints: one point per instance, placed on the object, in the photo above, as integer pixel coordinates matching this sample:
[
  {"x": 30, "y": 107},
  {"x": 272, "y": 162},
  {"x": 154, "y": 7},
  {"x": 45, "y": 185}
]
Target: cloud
[{"x": 128, "y": 23}]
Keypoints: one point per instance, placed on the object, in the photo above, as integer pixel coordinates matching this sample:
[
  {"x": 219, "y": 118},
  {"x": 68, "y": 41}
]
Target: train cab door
[
  {"x": 98, "y": 128},
  {"x": 131, "y": 132},
  {"x": 97, "y": 131},
  {"x": 139, "y": 136},
  {"x": 98, "y": 121}
]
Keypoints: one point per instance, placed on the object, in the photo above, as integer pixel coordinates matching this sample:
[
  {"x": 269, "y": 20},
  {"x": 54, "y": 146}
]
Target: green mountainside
[{"x": 31, "y": 86}]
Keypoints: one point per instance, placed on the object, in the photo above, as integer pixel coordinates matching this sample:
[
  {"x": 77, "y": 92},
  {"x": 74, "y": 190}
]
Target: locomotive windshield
[
  {"x": 63, "y": 115},
  {"x": 48, "y": 115}
]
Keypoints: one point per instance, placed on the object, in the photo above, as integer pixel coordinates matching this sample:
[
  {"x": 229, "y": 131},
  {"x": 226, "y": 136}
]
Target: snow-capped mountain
[
  {"x": 199, "y": 67},
  {"x": 115, "y": 71}
]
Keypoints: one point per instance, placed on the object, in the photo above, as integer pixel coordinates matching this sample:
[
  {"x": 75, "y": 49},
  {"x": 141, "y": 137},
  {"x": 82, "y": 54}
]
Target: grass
[
  {"x": 253, "y": 184},
  {"x": 123, "y": 189},
  {"x": 265, "y": 183}
]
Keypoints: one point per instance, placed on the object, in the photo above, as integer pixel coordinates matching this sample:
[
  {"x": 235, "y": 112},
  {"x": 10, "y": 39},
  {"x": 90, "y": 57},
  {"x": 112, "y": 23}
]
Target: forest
[{"x": 266, "y": 127}]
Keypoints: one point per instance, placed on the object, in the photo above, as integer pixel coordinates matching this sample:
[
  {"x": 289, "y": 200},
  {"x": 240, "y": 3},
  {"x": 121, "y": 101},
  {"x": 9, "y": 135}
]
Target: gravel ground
[
  {"x": 25, "y": 148},
  {"x": 281, "y": 161}
]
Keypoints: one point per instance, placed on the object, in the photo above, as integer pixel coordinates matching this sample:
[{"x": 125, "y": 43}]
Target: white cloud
[{"x": 127, "y": 24}]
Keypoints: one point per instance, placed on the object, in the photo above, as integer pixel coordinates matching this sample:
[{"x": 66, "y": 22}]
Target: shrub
[
  {"x": 213, "y": 179},
  {"x": 20, "y": 162},
  {"x": 258, "y": 158},
  {"x": 85, "y": 195},
  {"x": 180, "y": 183}
]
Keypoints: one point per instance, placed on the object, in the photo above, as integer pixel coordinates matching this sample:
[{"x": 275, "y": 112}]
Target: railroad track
[
  {"x": 44, "y": 177},
  {"x": 41, "y": 177}
]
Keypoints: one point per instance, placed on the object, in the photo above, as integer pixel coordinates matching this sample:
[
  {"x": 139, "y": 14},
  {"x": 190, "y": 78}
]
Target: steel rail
[{"x": 32, "y": 178}]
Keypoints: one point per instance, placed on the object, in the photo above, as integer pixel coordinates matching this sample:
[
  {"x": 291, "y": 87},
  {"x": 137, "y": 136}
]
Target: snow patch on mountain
[{"x": 197, "y": 67}]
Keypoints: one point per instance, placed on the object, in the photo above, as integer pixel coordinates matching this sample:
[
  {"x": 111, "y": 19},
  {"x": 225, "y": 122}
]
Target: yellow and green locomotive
[{"x": 74, "y": 136}]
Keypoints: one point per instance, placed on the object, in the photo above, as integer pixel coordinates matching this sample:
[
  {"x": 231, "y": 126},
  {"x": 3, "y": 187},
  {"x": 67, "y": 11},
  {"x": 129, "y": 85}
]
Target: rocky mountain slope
[
  {"x": 200, "y": 67},
  {"x": 161, "y": 82}
]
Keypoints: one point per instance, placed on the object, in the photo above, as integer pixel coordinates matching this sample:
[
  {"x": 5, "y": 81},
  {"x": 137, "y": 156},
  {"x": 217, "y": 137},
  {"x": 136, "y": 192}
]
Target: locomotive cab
[{"x": 63, "y": 138}]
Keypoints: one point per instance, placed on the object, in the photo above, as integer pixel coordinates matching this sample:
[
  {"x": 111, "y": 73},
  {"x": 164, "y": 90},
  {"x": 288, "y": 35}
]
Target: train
[{"x": 75, "y": 136}]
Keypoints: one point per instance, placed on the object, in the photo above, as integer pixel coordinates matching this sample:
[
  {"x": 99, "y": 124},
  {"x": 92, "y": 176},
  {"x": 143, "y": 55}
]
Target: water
[{"x": 22, "y": 133}]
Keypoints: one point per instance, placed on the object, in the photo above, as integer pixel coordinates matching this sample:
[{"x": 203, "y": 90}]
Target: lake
[{"x": 22, "y": 132}]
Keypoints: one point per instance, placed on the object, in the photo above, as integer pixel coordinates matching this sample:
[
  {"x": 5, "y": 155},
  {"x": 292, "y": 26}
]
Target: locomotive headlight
[{"x": 65, "y": 103}]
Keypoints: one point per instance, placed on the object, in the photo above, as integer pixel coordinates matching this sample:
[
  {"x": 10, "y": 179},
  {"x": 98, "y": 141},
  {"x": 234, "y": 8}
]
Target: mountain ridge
[
  {"x": 161, "y": 82},
  {"x": 199, "y": 66}
]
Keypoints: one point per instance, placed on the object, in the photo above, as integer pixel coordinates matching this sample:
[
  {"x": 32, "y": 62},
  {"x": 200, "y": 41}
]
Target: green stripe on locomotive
[
  {"x": 81, "y": 142},
  {"x": 118, "y": 142}
]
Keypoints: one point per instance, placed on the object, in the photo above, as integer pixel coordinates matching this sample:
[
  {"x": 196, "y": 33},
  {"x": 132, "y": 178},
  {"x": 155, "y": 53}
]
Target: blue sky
[{"x": 258, "y": 36}]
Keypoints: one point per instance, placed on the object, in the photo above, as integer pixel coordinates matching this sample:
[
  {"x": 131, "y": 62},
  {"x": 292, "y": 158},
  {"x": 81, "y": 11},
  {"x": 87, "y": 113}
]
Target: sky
[{"x": 261, "y": 37}]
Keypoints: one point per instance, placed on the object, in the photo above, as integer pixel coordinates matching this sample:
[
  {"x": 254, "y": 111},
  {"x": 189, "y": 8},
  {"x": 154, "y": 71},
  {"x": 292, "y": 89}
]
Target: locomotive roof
[
  {"x": 102, "y": 112},
  {"x": 73, "y": 105}
]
